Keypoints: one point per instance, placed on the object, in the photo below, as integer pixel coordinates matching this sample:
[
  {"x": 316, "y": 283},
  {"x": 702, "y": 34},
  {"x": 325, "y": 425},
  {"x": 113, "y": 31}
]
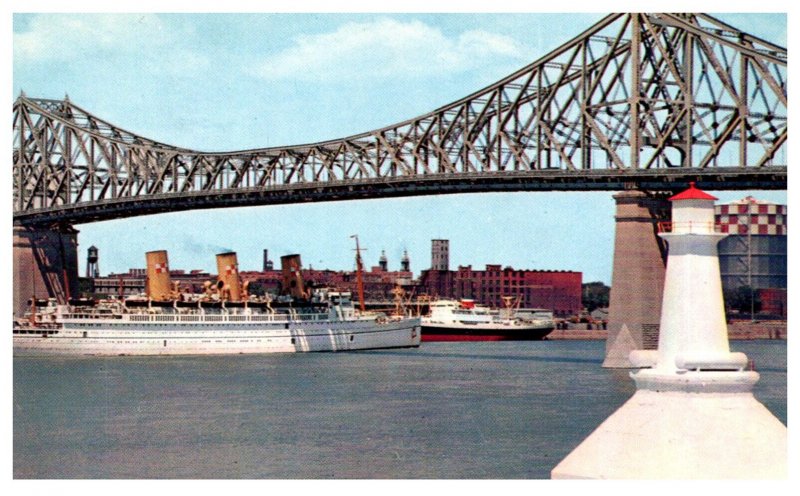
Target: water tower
[{"x": 92, "y": 268}]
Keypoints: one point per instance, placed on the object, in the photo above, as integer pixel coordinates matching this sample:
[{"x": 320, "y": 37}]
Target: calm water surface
[{"x": 443, "y": 411}]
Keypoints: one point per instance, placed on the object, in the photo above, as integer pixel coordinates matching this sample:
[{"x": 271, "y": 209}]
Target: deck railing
[{"x": 173, "y": 318}]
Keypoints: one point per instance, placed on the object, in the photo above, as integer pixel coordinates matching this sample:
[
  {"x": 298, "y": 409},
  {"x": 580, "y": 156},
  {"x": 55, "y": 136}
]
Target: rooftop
[{"x": 692, "y": 193}]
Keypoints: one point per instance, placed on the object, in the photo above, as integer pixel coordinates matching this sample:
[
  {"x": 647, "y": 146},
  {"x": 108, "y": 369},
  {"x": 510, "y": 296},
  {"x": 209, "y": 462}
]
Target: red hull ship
[{"x": 462, "y": 320}]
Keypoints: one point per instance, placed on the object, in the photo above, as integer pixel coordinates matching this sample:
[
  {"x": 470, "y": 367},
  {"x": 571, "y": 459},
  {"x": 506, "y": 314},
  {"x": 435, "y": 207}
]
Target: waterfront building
[
  {"x": 440, "y": 254},
  {"x": 559, "y": 291},
  {"x": 437, "y": 283}
]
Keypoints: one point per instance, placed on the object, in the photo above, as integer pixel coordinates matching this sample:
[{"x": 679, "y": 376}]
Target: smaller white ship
[{"x": 463, "y": 320}]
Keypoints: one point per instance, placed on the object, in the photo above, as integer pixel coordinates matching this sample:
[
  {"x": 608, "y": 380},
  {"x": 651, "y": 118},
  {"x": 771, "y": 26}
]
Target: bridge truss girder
[{"x": 637, "y": 100}]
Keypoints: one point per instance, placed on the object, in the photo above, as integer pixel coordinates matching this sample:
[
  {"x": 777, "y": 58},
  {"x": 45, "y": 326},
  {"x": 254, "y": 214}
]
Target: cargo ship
[
  {"x": 463, "y": 320},
  {"x": 224, "y": 319}
]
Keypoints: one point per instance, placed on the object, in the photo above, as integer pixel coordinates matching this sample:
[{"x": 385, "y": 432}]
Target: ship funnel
[
  {"x": 159, "y": 285},
  {"x": 228, "y": 270},
  {"x": 292, "y": 277}
]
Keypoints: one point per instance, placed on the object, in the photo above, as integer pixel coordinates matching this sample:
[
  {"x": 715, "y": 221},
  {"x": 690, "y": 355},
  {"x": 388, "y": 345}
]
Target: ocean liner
[{"x": 224, "y": 319}]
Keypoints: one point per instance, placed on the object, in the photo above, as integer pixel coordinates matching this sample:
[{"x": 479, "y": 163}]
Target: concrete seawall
[
  {"x": 745, "y": 329},
  {"x": 740, "y": 329}
]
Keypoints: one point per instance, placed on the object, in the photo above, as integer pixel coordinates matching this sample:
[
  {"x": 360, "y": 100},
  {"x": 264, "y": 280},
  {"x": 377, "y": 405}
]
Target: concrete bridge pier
[
  {"x": 45, "y": 265},
  {"x": 637, "y": 280}
]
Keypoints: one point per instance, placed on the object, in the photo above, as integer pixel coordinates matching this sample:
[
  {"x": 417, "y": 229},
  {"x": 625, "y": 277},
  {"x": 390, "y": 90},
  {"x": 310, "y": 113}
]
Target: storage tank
[
  {"x": 755, "y": 252},
  {"x": 158, "y": 285},
  {"x": 228, "y": 270}
]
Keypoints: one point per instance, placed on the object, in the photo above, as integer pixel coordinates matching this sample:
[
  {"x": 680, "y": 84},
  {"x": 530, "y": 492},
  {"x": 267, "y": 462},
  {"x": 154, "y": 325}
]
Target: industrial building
[
  {"x": 556, "y": 290},
  {"x": 440, "y": 254},
  {"x": 559, "y": 291}
]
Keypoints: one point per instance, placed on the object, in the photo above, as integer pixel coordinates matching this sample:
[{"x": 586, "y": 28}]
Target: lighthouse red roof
[{"x": 693, "y": 194}]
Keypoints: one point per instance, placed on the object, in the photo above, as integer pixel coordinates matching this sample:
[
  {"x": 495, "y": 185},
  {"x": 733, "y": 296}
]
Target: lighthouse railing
[{"x": 688, "y": 227}]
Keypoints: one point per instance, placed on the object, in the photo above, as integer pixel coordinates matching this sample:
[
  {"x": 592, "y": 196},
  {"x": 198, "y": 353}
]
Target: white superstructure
[{"x": 465, "y": 314}]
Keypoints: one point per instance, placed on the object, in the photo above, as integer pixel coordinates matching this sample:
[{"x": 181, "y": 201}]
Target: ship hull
[
  {"x": 175, "y": 339},
  {"x": 474, "y": 333}
]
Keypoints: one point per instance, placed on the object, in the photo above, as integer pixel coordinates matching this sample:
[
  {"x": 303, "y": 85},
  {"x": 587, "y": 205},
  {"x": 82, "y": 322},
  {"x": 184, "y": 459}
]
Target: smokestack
[
  {"x": 159, "y": 285},
  {"x": 292, "y": 277},
  {"x": 228, "y": 270}
]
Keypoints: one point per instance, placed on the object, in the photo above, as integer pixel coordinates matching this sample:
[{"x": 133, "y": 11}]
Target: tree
[
  {"x": 595, "y": 295},
  {"x": 743, "y": 299}
]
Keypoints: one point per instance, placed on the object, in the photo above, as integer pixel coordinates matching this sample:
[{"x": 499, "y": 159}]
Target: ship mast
[{"x": 359, "y": 275}]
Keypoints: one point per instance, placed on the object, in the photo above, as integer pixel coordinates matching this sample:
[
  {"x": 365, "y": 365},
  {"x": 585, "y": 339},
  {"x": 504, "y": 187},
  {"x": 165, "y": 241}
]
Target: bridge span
[{"x": 636, "y": 103}]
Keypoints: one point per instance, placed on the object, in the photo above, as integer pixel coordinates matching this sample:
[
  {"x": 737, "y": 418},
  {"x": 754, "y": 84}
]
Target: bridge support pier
[
  {"x": 637, "y": 281},
  {"x": 45, "y": 265}
]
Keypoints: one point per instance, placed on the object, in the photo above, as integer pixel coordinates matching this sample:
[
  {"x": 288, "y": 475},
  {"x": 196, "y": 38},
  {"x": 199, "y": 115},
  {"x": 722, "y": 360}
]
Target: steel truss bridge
[{"x": 637, "y": 101}]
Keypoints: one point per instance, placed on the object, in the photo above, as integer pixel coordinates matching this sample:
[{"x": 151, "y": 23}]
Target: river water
[{"x": 507, "y": 410}]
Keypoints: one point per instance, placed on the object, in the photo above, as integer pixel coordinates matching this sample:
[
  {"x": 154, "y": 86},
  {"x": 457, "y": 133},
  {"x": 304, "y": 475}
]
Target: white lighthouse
[{"x": 693, "y": 415}]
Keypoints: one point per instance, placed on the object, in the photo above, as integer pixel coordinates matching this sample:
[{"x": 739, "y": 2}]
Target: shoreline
[{"x": 737, "y": 330}]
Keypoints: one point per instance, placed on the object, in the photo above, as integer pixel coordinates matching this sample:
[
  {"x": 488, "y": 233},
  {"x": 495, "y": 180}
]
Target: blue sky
[{"x": 222, "y": 82}]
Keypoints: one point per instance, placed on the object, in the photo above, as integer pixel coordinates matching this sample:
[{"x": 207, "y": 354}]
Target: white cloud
[
  {"x": 105, "y": 37},
  {"x": 52, "y": 36},
  {"x": 387, "y": 48}
]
